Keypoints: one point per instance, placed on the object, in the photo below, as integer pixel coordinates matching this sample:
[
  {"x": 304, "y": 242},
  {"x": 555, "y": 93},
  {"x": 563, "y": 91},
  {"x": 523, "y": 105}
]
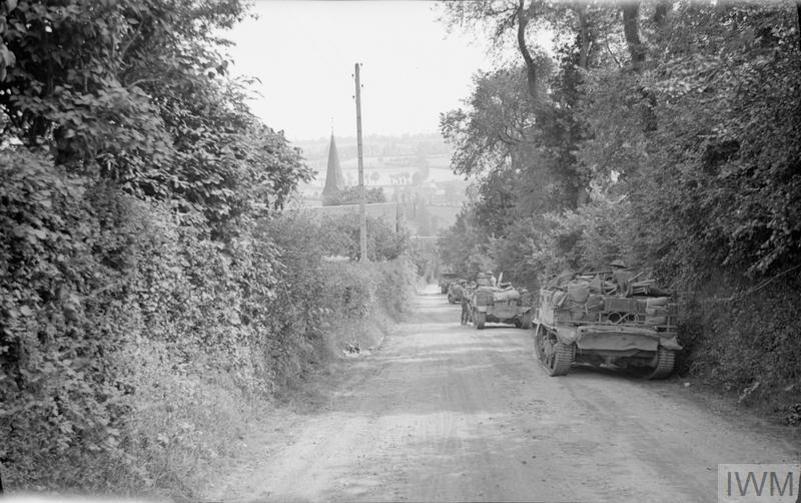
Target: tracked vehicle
[
  {"x": 456, "y": 291},
  {"x": 501, "y": 305},
  {"x": 445, "y": 280},
  {"x": 606, "y": 318}
]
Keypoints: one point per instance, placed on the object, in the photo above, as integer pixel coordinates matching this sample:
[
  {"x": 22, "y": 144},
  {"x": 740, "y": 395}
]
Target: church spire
[{"x": 334, "y": 181}]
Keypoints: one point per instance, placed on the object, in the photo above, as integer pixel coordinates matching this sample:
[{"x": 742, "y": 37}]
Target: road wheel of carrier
[
  {"x": 561, "y": 359},
  {"x": 479, "y": 319},
  {"x": 556, "y": 357},
  {"x": 665, "y": 361}
]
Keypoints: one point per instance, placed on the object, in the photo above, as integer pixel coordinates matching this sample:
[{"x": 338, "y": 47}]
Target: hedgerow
[
  {"x": 134, "y": 348},
  {"x": 151, "y": 294}
]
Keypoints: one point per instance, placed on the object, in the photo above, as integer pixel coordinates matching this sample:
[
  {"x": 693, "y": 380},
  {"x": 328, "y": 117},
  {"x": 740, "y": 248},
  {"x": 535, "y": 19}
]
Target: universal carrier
[{"x": 606, "y": 318}]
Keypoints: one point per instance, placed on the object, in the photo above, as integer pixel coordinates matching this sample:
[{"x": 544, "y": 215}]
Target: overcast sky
[{"x": 303, "y": 52}]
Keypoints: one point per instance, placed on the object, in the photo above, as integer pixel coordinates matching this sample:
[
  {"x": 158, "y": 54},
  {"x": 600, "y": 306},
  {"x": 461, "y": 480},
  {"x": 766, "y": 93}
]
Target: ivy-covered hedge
[
  {"x": 134, "y": 348},
  {"x": 149, "y": 298}
]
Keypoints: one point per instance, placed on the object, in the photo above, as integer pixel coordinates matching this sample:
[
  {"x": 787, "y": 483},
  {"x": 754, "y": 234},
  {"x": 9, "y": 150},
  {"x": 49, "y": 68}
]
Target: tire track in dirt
[{"x": 443, "y": 412}]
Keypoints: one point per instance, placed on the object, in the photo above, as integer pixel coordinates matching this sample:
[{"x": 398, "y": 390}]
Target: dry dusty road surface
[{"x": 442, "y": 412}]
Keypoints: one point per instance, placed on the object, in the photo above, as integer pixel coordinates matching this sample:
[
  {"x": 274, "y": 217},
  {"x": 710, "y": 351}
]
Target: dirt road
[{"x": 448, "y": 413}]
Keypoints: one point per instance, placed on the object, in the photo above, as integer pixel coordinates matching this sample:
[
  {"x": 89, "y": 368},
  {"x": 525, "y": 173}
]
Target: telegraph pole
[{"x": 362, "y": 194}]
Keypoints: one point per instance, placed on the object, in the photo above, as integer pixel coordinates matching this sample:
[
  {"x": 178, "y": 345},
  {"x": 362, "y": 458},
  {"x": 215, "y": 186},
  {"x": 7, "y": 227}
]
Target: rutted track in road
[{"x": 444, "y": 412}]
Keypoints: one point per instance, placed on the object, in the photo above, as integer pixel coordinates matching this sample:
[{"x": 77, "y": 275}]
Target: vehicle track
[{"x": 444, "y": 412}]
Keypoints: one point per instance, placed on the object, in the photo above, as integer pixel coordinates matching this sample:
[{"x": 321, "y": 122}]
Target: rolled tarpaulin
[{"x": 506, "y": 295}]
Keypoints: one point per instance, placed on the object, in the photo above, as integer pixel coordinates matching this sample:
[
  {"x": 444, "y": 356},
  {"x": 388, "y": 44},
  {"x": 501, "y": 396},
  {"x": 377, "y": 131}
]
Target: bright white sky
[{"x": 304, "y": 51}]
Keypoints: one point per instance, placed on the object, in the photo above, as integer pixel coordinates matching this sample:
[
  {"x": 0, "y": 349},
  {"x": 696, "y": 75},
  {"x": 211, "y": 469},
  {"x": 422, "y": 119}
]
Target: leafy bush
[
  {"x": 352, "y": 195},
  {"x": 145, "y": 301},
  {"x": 395, "y": 286},
  {"x": 383, "y": 241},
  {"x": 62, "y": 401},
  {"x": 134, "y": 348}
]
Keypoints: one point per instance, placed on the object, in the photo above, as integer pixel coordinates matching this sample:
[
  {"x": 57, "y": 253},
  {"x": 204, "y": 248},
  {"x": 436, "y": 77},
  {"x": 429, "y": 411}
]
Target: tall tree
[
  {"x": 524, "y": 16},
  {"x": 139, "y": 94},
  {"x": 504, "y": 17},
  {"x": 631, "y": 29}
]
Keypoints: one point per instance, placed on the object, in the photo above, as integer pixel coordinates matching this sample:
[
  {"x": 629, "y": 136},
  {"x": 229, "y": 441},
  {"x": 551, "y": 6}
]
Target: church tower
[{"x": 334, "y": 181}]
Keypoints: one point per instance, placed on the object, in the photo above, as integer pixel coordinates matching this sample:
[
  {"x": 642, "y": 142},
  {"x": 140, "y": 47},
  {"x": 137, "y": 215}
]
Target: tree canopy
[
  {"x": 666, "y": 134},
  {"x": 139, "y": 93}
]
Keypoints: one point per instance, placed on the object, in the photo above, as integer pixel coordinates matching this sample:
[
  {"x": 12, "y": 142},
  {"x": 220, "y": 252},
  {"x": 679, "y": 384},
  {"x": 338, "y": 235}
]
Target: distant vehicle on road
[
  {"x": 503, "y": 304},
  {"x": 445, "y": 280},
  {"x": 606, "y": 318},
  {"x": 456, "y": 290}
]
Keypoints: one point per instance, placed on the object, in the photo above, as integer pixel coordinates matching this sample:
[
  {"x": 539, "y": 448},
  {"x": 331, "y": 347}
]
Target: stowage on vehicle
[
  {"x": 502, "y": 304},
  {"x": 456, "y": 291},
  {"x": 606, "y": 318}
]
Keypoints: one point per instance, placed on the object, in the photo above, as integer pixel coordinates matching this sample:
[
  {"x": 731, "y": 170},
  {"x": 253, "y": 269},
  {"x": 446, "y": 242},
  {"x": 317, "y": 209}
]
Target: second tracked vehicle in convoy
[
  {"x": 606, "y": 318},
  {"x": 445, "y": 280},
  {"x": 456, "y": 291},
  {"x": 500, "y": 304}
]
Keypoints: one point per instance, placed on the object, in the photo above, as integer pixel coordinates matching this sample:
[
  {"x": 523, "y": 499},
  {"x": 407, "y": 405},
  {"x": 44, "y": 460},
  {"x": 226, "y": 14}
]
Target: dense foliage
[
  {"x": 139, "y": 94},
  {"x": 151, "y": 291},
  {"x": 383, "y": 241},
  {"x": 352, "y": 195},
  {"x": 132, "y": 344},
  {"x": 665, "y": 134}
]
